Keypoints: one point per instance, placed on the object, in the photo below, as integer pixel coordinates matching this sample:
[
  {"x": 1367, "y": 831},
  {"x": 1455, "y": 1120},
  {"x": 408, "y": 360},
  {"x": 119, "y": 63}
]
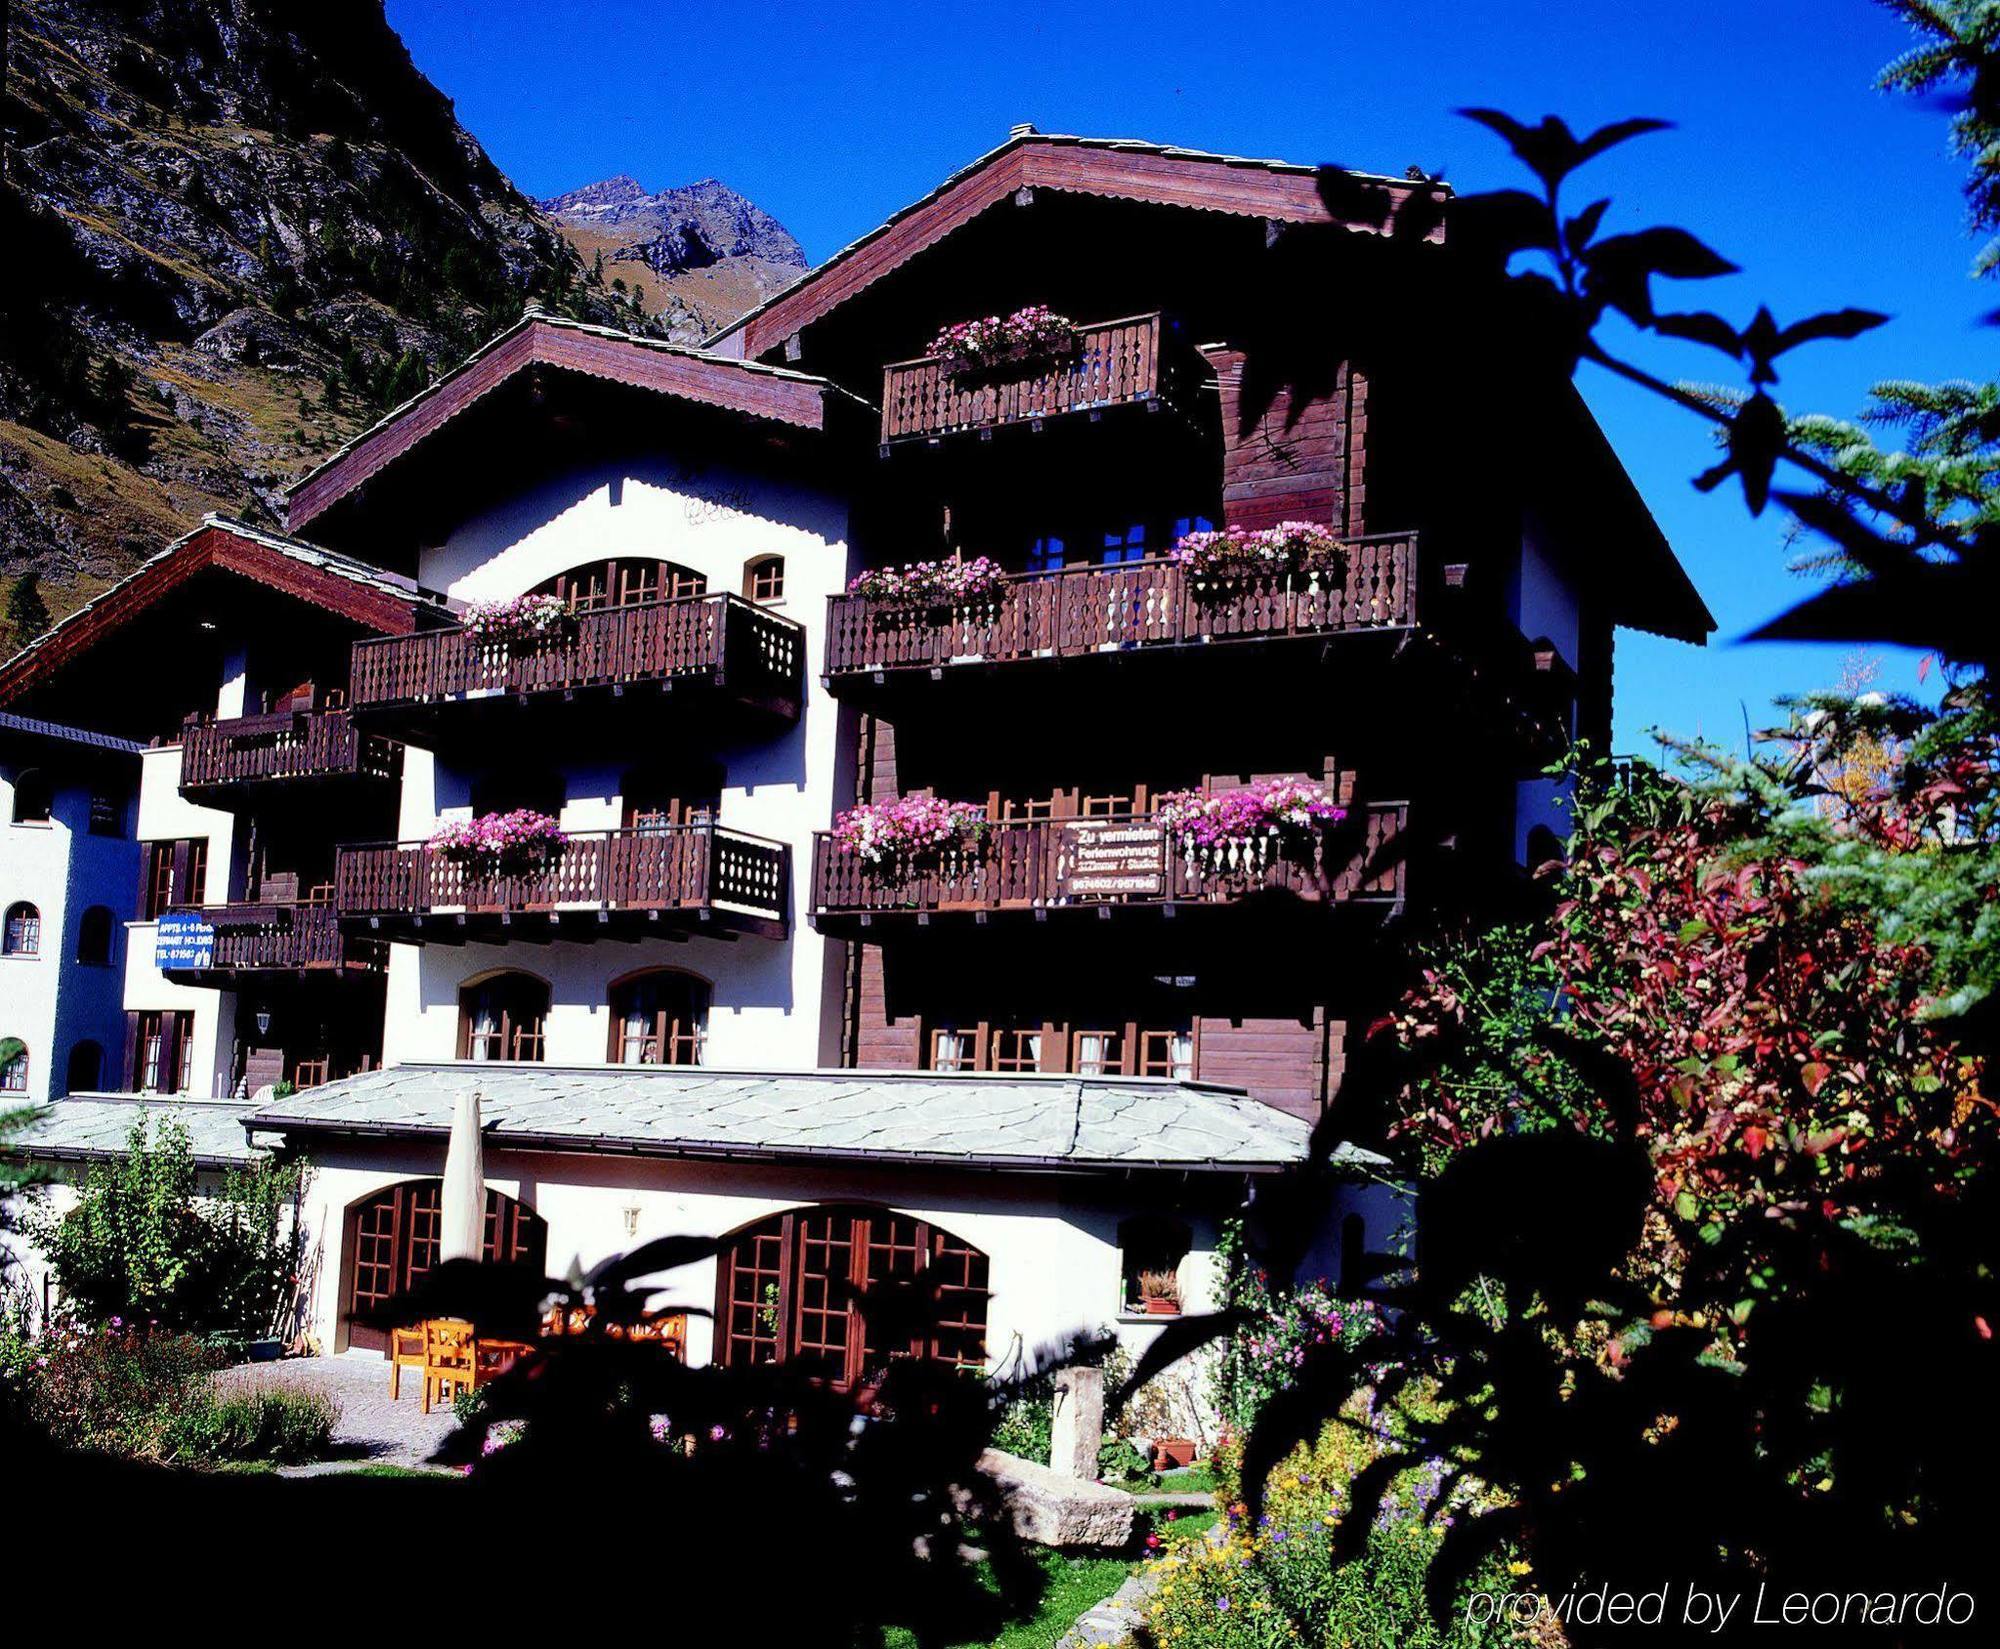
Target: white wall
[
  {"x": 50, "y": 1000},
  {"x": 771, "y": 1003},
  {"x": 1053, "y": 1241},
  {"x": 166, "y": 815}
]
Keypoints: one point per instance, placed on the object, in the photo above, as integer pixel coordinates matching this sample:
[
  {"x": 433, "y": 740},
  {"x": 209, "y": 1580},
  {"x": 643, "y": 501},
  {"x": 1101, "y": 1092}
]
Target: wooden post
[{"x": 1077, "y": 1429}]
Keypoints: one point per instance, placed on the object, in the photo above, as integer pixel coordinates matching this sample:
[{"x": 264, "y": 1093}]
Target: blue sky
[{"x": 1785, "y": 159}]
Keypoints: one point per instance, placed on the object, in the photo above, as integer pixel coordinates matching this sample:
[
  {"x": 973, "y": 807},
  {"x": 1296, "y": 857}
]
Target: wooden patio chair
[
  {"x": 406, "y": 1350},
  {"x": 451, "y": 1357}
]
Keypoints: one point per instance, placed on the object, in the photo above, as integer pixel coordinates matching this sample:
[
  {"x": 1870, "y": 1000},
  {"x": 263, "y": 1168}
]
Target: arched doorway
[
  {"x": 392, "y": 1240},
  {"x": 794, "y": 1289}
]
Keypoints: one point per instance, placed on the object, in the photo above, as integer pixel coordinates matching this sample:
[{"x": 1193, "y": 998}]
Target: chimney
[{"x": 1024, "y": 129}]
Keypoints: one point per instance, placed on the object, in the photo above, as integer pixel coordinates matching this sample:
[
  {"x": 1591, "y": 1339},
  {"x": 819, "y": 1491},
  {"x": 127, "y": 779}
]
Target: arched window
[
  {"x": 23, "y": 933},
  {"x": 14, "y": 1074},
  {"x": 93, "y": 936},
  {"x": 503, "y": 1016},
  {"x": 830, "y": 1290},
  {"x": 34, "y": 797},
  {"x": 86, "y": 1069},
  {"x": 764, "y": 578},
  {"x": 393, "y": 1240},
  {"x": 1150, "y": 1251},
  {"x": 623, "y": 582},
  {"x": 659, "y": 1017}
]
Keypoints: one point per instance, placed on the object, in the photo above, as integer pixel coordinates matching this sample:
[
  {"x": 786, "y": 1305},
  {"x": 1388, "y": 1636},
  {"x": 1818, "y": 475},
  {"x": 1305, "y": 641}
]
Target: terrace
[
  {"x": 654, "y": 881},
  {"x": 274, "y": 937},
  {"x": 221, "y": 759}
]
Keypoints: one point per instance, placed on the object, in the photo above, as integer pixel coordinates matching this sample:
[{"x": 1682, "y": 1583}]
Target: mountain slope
[
  {"x": 235, "y": 231},
  {"x": 695, "y": 257}
]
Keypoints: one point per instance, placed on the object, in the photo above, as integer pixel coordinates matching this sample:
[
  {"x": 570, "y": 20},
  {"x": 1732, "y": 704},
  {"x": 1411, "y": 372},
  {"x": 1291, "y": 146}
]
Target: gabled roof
[
  {"x": 1026, "y": 1122},
  {"x": 35, "y": 728},
  {"x": 541, "y": 340},
  {"x": 384, "y": 602},
  {"x": 97, "y": 1127},
  {"x": 1123, "y": 168}
]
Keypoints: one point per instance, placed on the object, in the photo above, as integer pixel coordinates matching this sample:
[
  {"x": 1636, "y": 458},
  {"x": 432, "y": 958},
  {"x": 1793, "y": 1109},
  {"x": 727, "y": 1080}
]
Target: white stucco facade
[
  {"x": 50, "y": 998},
  {"x": 770, "y": 1002}
]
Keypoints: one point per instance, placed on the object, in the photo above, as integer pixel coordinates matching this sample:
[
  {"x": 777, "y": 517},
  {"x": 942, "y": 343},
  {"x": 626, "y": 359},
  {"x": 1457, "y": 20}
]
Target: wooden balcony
[
  {"x": 1104, "y": 864},
  {"x": 279, "y": 937},
  {"x": 1132, "y": 362},
  {"x": 222, "y": 759},
  {"x": 1137, "y": 607},
  {"x": 626, "y": 884},
  {"x": 720, "y": 650}
]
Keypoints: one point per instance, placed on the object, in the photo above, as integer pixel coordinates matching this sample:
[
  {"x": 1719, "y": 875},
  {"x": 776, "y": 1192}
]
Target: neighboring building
[
  {"x": 69, "y": 865},
  {"x": 1055, "y": 1057},
  {"x": 221, "y": 666}
]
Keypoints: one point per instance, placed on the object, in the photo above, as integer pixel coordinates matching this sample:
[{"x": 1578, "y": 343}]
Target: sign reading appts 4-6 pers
[
  {"x": 183, "y": 939},
  {"x": 1111, "y": 859}
]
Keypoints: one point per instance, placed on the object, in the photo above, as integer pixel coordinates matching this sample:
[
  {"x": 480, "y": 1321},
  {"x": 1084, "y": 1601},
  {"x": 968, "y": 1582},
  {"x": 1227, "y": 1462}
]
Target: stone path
[
  {"x": 1118, "y": 1616},
  {"x": 372, "y": 1430}
]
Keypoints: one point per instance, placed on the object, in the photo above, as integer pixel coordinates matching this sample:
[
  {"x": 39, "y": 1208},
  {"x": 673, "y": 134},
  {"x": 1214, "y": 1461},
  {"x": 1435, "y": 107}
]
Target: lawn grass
[{"x": 1076, "y": 1584}]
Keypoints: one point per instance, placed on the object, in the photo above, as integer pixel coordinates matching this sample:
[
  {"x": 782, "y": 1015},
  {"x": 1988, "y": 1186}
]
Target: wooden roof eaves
[
  {"x": 1280, "y": 190},
  {"x": 753, "y": 388},
  {"x": 335, "y": 583}
]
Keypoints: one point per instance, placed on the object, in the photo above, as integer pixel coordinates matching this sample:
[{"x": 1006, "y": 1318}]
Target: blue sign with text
[{"x": 183, "y": 940}]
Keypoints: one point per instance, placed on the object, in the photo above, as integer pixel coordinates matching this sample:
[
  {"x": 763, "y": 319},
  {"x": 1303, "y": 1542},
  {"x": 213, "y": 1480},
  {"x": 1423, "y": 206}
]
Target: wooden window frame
[
  {"x": 522, "y": 1037},
  {"x": 764, "y": 579},
  {"x": 22, "y": 933},
  {"x": 14, "y": 1074},
  {"x": 669, "y": 1032},
  {"x": 623, "y": 581}
]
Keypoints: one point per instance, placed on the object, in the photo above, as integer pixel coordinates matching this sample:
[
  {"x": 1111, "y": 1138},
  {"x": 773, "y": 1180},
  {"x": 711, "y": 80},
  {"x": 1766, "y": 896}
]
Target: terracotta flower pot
[{"x": 1162, "y": 1308}]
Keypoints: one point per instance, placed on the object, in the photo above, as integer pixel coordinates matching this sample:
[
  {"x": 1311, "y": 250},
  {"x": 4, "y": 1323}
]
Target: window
[
  {"x": 14, "y": 1074},
  {"x": 23, "y": 935},
  {"x": 1135, "y": 1049},
  {"x": 86, "y": 1069},
  {"x": 176, "y": 874},
  {"x": 623, "y": 583},
  {"x": 1150, "y": 1251},
  {"x": 1124, "y": 544},
  {"x": 796, "y": 1288},
  {"x": 1045, "y": 554},
  {"x": 107, "y": 814},
  {"x": 162, "y": 1051},
  {"x": 1015, "y": 1048},
  {"x": 659, "y": 1017},
  {"x": 93, "y": 937},
  {"x": 394, "y": 1237},
  {"x": 34, "y": 797},
  {"x": 764, "y": 578},
  {"x": 1163, "y": 1047},
  {"x": 951, "y": 1050},
  {"x": 504, "y": 1016}
]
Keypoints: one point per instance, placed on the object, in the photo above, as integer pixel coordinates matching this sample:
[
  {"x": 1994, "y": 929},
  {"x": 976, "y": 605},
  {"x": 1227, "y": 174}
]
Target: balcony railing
[
  {"x": 716, "y": 641},
  {"x": 1115, "y": 363},
  {"x": 1083, "y": 611},
  {"x": 281, "y": 937},
  {"x": 289, "y": 744},
  {"x": 632, "y": 880},
  {"x": 1109, "y": 860}
]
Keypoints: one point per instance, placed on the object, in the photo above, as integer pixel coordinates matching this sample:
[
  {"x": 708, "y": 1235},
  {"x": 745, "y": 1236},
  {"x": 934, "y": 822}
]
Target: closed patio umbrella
[{"x": 462, "y": 1211}]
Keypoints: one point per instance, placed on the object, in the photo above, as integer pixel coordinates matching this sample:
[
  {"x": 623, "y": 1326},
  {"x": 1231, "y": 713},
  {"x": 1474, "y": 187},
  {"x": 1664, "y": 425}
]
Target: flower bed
[
  {"x": 914, "y": 827},
  {"x": 1033, "y": 334},
  {"x": 930, "y": 585},
  {"x": 520, "y": 840},
  {"x": 1294, "y": 808},
  {"x": 1240, "y": 552},
  {"x": 518, "y": 621}
]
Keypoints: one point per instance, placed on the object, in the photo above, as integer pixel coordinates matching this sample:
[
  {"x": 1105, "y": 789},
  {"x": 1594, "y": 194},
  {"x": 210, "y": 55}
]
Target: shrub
[
  {"x": 283, "y": 1424},
  {"x": 1266, "y": 1353},
  {"x": 145, "y": 1244}
]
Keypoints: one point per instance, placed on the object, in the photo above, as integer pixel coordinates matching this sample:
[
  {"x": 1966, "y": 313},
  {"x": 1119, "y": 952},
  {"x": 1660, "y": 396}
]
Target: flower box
[
  {"x": 929, "y": 586},
  {"x": 519, "y": 622},
  {"x": 493, "y": 843},
  {"x": 1294, "y": 811},
  {"x": 1218, "y": 562},
  {"x": 1002, "y": 344},
  {"x": 908, "y": 831}
]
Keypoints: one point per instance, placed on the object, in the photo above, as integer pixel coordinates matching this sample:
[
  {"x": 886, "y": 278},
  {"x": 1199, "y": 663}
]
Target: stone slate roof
[
  {"x": 95, "y": 1127},
  {"x": 1006, "y": 1122},
  {"x": 35, "y": 727}
]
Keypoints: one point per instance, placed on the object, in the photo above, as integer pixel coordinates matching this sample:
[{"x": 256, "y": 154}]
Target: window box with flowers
[
  {"x": 1238, "y": 834},
  {"x": 509, "y": 844},
  {"x": 999, "y": 345},
  {"x": 966, "y": 591},
  {"x": 1299, "y": 554},
  {"x": 519, "y": 624},
  {"x": 910, "y": 834}
]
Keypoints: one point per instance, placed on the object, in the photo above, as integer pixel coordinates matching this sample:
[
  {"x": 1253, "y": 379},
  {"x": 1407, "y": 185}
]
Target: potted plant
[
  {"x": 505, "y": 843},
  {"x": 1219, "y": 563},
  {"x": 1034, "y": 335},
  {"x": 935, "y": 587},
  {"x": 1160, "y": 1293},
  {"x": 908, "y": 832},
  {"x": 517, "y": 623}
]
